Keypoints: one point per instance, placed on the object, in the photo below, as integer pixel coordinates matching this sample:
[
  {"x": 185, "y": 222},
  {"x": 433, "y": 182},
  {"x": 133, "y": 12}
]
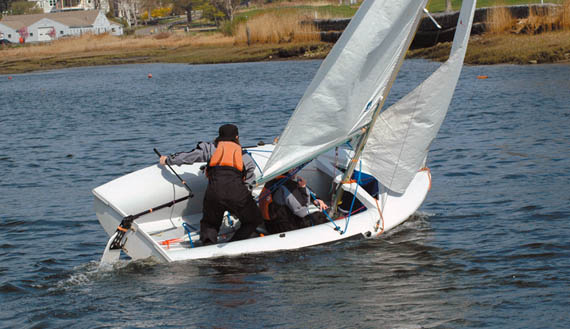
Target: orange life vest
[
  {"x": 266, "y": 198},
  {"x": 227, "y": 154}
]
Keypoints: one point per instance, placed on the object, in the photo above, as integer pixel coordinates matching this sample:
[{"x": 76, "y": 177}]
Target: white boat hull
[{"x": 160, "y": 234}]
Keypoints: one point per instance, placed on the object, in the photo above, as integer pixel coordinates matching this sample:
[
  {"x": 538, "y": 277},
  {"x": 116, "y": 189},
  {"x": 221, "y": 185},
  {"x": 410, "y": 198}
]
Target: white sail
[
  {"x": 402, "y": 135},
  {"x": 351, "y": 81}
]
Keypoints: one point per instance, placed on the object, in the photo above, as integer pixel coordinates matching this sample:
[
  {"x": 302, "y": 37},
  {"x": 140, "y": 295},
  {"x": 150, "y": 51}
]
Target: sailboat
[{"x": 337, "y": 133}]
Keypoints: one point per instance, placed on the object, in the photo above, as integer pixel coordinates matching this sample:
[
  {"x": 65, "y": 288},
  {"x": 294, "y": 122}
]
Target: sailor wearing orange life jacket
[
  {"x": 285, "y": 205},
  {"x": 230, "y": 175}
]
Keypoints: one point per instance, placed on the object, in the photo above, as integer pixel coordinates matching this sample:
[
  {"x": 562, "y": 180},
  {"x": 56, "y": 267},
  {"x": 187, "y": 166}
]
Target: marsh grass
[
  {"x": 499, "y": 20},
  {"x": 539, "y": 20},
  {"x": 276, "y": 28},
  {"x": 92, "y": 44},
  {"x": 564, "y": 15}
]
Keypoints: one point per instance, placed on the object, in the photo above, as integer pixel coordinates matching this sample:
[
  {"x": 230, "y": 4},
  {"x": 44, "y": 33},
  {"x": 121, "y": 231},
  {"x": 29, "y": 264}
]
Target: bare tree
[
  {"x": 129, "y": 10},
  {"x": 448, "y": 7},
  {"x": 228, "y": 7}
]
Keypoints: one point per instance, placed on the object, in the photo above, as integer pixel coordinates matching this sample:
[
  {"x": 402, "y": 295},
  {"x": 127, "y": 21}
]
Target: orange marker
[{"x": 482, "y": 77}]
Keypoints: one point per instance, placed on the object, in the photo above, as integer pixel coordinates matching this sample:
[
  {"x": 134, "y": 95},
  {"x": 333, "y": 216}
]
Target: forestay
[
  {"x": 398, "y": 144},
  {"x": 353, "y": 79}
]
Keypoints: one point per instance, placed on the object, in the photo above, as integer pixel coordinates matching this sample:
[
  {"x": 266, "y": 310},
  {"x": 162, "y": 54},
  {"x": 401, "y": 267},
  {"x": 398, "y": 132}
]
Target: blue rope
[
  {"x": 258, "y": 151},
  {"x": 187, "y": 229},
  {"x": 336, "y": 227},
  {"x": 353, "y": 199},
  {"x": 281, "y": 182},
  {"x": 252, "y": 158}
]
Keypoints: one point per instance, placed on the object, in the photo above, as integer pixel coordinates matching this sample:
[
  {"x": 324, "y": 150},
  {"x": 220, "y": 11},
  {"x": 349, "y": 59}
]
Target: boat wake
[{"x": 85, "y": 275}]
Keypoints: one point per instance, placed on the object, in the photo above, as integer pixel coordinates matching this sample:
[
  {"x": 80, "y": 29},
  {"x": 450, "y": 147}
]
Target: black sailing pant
[{"x": 227, "y": 192}]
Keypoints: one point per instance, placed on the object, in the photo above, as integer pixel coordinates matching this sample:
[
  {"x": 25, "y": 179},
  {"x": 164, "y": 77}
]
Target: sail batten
[{"x": 350, "y": 82}]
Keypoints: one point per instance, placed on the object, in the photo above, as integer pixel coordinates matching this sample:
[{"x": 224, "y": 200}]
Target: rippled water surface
[{"x": 488, "y": 249}]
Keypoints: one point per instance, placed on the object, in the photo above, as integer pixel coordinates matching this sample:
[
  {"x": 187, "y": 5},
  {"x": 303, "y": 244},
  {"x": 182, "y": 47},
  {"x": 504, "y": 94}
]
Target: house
[
  {"x": 54, "y": 5},
  {"x": 61, "y": 5},
  {"x": 51, "y": 26}
]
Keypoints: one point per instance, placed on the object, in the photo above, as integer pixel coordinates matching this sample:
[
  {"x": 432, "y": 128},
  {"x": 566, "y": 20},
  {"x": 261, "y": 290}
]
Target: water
[{"x": 488, "y": 249}]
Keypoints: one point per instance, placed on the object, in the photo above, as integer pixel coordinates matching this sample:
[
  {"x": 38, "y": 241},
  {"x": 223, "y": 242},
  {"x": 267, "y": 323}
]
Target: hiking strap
[{"x": 187, "y": 229}]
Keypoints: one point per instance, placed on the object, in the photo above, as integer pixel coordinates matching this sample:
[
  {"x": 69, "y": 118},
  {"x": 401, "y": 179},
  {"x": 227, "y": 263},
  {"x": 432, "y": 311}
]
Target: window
[
  {"x": 9, "y": 36},
  {"x": 60, "y": 32},
  {"x": 31, "y": 34}
]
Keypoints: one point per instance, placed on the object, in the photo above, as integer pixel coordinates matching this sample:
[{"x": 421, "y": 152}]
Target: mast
[{"x": 364, "y": 137}]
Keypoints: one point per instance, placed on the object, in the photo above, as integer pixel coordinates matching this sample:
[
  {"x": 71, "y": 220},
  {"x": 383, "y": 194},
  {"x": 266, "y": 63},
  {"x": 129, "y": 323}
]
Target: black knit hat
[{"x": 227, "y": 132}]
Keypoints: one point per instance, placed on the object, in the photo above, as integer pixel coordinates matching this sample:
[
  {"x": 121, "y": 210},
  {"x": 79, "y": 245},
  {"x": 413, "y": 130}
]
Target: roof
[{"x": 74, "y": 18}]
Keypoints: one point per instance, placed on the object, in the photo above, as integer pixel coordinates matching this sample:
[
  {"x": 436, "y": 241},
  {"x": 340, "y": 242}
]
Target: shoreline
[
  {"x": 216, "y": 54},
  {"x": 487, "y": 49}
]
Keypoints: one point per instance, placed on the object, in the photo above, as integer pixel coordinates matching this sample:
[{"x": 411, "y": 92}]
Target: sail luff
[{"x": 340, "y": 99}]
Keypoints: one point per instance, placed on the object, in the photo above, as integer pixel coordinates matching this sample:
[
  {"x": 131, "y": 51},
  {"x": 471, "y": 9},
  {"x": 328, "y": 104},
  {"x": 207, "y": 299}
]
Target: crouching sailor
[
  {"x": 285, "y": 203},
  {"x": 230, "y": 174}
]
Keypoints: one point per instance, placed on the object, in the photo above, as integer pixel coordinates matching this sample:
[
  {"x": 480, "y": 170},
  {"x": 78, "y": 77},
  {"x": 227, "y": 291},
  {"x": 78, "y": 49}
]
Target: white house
[
  {"x": 47, "y": 27},
  {"x": 61, "y": 5}
]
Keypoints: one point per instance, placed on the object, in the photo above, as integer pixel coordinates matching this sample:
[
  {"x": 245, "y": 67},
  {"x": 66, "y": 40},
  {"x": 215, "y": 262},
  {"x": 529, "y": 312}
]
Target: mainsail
[
  {"x": 350, "y": 84},
  {"x": 399, "y": 142}
]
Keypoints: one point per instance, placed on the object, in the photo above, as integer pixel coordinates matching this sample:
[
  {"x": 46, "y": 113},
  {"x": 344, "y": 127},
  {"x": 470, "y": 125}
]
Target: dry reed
[
  {"x": 275, "y": 28},
  {"x": 564, "y": 15},
  {"x": 293, "y": 3},
  {"x": 499, "y": 20},
  {"x": 89, "y": 43},
  {"x": 540, "y": 19}
]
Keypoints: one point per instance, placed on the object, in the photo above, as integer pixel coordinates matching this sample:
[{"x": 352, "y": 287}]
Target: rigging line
[
  {"x": 353, "y": 198},
  {"x": 281, "y": 182},
  {"x": 332, "y": 187},
  {"x": 336, "y": 227},
  {"x": 252, "y": 158},
  {"x": 381, "y": 218}
]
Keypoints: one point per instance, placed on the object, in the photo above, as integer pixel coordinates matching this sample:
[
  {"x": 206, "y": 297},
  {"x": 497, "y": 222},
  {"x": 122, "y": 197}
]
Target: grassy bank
[
  {"x": 549, "y": 47},
  {"x": 542, "y": 37},
  {"x": 274, "y": 34},
  {"x": 109, "y": 50}
]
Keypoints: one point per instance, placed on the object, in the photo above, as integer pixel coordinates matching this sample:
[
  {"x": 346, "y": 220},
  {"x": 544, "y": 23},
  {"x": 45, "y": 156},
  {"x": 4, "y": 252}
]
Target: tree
[
  {"x": 149, "y": 5},
  {"x": 4, "y": 6},
  {"x": 448, "y": 7},
  {"x": 52, "y": 33},
  {"x": 187, "y": 6},
  {"x": 228, "y": 7},
  {"x": 24, "y": 8},
  {"x": 128, "y": 9},
  {"x": 211, "y": 13},
  {"x": 23, "y": 32}
]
